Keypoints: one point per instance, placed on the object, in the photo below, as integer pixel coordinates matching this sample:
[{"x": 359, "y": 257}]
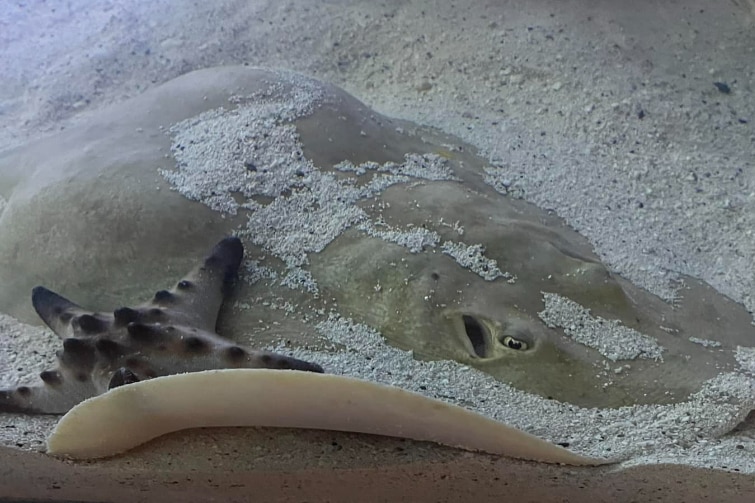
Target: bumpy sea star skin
[{"x": 170, "y": 334}]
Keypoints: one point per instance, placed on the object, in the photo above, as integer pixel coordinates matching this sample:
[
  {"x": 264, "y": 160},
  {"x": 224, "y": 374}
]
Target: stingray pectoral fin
[{"x": 125, "y": 417}]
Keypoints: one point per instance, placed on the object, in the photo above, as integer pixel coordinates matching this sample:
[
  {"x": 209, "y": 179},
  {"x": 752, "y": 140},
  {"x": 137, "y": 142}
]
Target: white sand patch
[
  {"x": 706, "y": 343},
  {"x": 609, "y": 337},
  {"x": 415, "y": 239},
  {"x": 473, "y": 257}
]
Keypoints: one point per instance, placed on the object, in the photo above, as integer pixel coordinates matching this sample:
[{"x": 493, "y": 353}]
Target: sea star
[{"x": 172, "y": 333}]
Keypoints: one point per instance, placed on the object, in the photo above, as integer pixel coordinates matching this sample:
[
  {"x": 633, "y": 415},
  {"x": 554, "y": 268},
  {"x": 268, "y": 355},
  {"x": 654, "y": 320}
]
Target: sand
[{"x": 607, "y": 114}]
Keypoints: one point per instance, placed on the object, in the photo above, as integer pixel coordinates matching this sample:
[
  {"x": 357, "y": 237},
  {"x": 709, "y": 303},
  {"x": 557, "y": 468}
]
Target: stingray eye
[{"x": 513, "y": 343}]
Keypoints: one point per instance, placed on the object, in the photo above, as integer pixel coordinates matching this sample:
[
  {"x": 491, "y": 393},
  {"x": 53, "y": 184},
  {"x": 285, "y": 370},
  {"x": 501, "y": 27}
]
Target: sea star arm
[
  {"x": 171, "y": 334},
  {"x": 196, "y": 299}
]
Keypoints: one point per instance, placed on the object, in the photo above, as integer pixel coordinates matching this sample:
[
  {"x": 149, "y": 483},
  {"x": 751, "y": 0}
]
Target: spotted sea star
[{"x": 172, "y": 333}]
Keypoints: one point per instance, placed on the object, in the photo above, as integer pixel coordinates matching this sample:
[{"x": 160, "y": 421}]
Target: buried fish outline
[{"x": 172, "y": 333}]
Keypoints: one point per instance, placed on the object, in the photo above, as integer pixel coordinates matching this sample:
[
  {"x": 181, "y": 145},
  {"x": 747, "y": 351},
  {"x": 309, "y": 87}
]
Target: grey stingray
[
  {"x": 425, "y": 302},
  {"x": 391, "y": 224},
  {"x": 172, "y": 333}
]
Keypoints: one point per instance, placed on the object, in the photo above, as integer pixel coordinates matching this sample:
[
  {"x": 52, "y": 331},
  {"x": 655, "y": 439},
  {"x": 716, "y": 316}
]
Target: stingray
[
  {"x": 399, "y": 227},
  {"x": 172, "y": 333}
]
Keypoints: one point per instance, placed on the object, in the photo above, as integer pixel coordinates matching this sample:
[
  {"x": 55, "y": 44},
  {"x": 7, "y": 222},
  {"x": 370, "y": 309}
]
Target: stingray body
[
  {"x": 397, "y": 226},
  {"x": 172, "y": 333}
]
